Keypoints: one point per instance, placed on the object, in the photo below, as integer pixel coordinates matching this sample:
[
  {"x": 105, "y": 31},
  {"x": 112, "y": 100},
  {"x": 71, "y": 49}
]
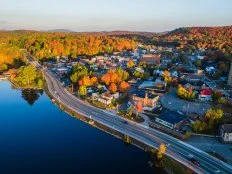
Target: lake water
[{"x": 36, "y": 137}]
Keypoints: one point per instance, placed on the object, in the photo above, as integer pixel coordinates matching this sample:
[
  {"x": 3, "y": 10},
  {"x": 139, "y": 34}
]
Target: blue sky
[{"x": 108, "y": 15}]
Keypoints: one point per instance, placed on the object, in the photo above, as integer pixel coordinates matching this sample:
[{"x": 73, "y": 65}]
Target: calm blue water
[{"x": 39, "y": 138}]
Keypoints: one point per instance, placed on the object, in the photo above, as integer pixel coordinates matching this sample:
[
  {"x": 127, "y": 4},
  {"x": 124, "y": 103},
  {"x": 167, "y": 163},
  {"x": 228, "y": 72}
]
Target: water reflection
[{"x": 31, "y": 95}]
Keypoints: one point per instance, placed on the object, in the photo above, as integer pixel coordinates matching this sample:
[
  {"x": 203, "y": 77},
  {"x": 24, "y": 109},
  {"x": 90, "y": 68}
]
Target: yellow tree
[
  {"x": 94, "y": 80},
  {"x": 162, "y": 150},
  {"x": 167, "y": 77},
  {"x": 130, "y": 64}
]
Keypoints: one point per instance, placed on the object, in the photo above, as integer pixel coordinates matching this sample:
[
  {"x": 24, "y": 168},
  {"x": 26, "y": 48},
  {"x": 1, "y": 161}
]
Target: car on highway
[
  {"x": 125, "y": 122},
  {"x": 193, "y": 160}
]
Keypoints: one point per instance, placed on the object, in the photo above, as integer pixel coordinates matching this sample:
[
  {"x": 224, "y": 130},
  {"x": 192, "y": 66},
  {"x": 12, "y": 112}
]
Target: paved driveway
[{"x": 172, "y": 102}]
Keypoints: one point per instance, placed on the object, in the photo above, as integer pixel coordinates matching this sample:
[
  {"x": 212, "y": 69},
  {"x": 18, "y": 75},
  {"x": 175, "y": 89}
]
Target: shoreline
[{"x": 113, "y": 132}]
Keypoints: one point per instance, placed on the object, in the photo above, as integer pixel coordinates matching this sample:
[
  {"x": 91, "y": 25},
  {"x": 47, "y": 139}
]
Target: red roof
[{"x": 206, "y": 92}]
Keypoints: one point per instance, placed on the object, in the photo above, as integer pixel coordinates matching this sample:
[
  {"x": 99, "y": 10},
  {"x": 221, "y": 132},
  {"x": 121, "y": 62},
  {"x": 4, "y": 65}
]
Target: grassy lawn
[
  {"x": 133, "y": 117},
  {"x": 96, "y": 104}
]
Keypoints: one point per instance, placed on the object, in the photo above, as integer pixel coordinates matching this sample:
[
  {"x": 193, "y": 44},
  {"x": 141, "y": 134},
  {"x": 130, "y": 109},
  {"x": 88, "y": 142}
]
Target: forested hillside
[
  {"x": 45, "y": 44},
  {"x": 216, "y": 38},
  {"x": 49, "y": 44}
]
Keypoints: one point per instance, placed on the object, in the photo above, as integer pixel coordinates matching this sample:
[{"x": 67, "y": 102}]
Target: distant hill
[
  {"x": 109, "y": 33},
  {"x": 59, "y": 31},
  {"x": 122, "y": 33}
]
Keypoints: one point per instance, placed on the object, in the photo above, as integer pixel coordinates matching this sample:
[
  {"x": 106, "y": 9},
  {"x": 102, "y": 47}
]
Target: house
[
  {"x": 174, "y": 74},
  {"x": 158, "y": 72},
  {"x": 201, "y": 57},
  {"x": 61, "y": 71},
  {"x": 158, "y": 86},
  {"x": 226, "y": 133},
  {"x": 150, "y": 58},
  {"x": 194, "y": 85},
  {"x": 148, "y": 100},
  {"x": 192, "y": 77},
  {"x": 141, "y": 70},
  {"x": 205, "y": 95},
  {"x": 230, "y": 76},
  {"x": 210, "y": 70},
  {"x": 107, "y": 98},
  {"x": 170, "y": 119}
]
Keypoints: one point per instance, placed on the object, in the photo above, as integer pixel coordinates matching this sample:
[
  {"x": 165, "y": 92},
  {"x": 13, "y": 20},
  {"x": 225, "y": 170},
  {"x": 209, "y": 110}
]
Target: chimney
[{"x": 146, "y": 99}]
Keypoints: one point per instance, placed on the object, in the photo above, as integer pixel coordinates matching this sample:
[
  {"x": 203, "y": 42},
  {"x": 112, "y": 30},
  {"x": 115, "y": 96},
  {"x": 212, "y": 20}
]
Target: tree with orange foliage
[
  {"x": 124, "y": 86},
  {"x": 113, "y": 77},
  {"x": 93, "y": 80},
  {"x": 106, "y": 78},
  {"x": 113, "y": 88},
  {"x": 12, "y": 73}
]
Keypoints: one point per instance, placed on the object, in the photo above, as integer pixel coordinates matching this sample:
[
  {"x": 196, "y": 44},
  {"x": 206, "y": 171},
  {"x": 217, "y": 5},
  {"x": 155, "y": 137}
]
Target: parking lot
[
  {"x": 209, "y": 144},
  {"x": 171, "y": 101}
]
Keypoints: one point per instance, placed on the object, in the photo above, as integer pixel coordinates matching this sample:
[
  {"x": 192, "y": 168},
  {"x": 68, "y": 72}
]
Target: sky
[{"x": 109, "y": 15}]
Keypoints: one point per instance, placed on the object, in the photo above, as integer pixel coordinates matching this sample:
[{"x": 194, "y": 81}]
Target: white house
[{"x": 226, "y": 133}]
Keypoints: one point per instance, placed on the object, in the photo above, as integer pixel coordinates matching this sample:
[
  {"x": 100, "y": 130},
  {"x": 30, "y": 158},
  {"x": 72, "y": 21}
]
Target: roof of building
[
  {"x": 206, "y": 92},
  {"x": 142, "y": 94},
  {"x": 62, "y": 69},
  {"x": 198, "y": 83},
  {"x": 171, "y": 117},
  {"x": 150, "y": 58},
  {"x": 151, "y": 84},
  {"x": 227, "y": 127}
]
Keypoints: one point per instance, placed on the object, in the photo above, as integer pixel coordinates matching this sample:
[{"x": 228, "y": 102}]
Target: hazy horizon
[{"x": 102, "y": 15}]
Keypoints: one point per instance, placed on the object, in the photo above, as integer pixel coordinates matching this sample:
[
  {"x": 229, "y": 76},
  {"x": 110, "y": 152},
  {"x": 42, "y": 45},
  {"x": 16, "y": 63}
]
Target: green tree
[
  {"x": 198, "y": 63},
  {"x": 3, "y": 67},
  {"x": 216, "y": 95},
  {"x": 40, "y": 83},
  {"x": 26, "y": 75},
  {"x": 78, "y": 72}
]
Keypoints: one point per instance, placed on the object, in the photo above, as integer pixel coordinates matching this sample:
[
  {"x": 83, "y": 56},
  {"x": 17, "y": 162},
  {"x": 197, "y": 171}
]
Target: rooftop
[
  {"x": 227, "y": 127},
  {"x": 151, "y": 84},
  {"x": 142, "y": 94},
  {"x": 171, "y": 117}
]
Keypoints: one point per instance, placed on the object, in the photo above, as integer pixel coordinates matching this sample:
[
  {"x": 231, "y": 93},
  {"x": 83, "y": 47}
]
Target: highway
[{"x": 176, "y": 149}]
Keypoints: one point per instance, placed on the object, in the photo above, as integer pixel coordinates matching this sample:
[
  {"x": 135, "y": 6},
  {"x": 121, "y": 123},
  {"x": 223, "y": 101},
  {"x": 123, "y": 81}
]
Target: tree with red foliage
[{"x": 138, "y": 107}]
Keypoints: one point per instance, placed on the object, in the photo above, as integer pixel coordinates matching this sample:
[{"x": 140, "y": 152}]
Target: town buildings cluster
[{"x": 151, "y": 73}]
